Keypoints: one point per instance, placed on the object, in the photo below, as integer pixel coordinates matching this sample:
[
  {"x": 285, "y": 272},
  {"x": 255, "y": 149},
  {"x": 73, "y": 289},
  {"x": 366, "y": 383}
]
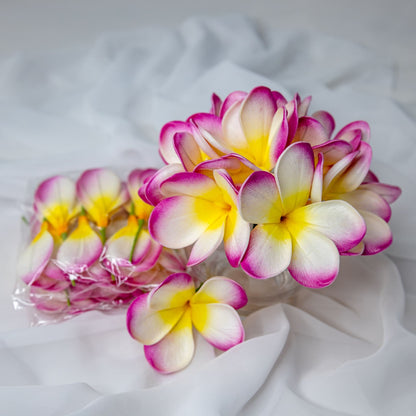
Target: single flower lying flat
[{"x": 162, "y": 319}]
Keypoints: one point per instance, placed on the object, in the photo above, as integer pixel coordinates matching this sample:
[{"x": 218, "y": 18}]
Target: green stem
[
  {"x": 68, "y": 301},
  {"x": 136, "y": 237},
  {"x": 131, "y": 209},
  {"x": 25, "y": 220},
  {"x": 102, "y": 234},
  {"x": 199, "y": 287}
]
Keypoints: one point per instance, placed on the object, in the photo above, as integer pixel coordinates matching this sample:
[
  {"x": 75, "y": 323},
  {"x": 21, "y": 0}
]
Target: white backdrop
[
  {"x": 349, "y": 349},
  {"x": 384, "y": 26}
]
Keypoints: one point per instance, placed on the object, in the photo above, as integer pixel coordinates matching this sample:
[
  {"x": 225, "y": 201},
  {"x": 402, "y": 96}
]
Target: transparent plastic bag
[{"x": 87, "y": 247}]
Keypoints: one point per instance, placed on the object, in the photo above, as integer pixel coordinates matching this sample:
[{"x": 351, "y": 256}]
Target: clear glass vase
[
  {"x": 260, "y": 292},
  {"x": 266, "y": 292}
]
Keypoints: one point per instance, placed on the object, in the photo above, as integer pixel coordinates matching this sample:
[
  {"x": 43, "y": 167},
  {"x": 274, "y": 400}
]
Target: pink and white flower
[
  {"x": 130, "y": 250},
  {"x": 101, "y": 193},
  {"x": 181, "y": 142},
  {"x": 162, "y": 319},
  {"x": 80, "y": 250},
  {"x": 55, "y": 201},
  {"x": 291, "y": 233},
  {"x": 254, "y": 127},
  {"x": 201, "y": 211},
  {"x": 136, "y": 179},
  {"x": 345, "y": 180},
  {"x": 35, "y": 257}
]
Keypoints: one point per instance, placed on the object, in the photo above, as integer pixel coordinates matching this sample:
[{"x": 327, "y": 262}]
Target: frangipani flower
[
  {"x": 181, "y": 142},
  {"x": 200, "y": 211},
  {"x": 80, "y": 250},
  {"x": 162, "y": 320},
  {"x": 36, "y": 256},
  {"x": 55, "y": 201},
  {"x": 130, "y": 250},
  {"x": 101, "y": 193},
  {"x": 254, "y": 127},
  {"x": 136, "y": 179},
  {"x": 150, "y": 190},
  {"x": 290, "y": 233},
  {"x": 344, "y": 181}
]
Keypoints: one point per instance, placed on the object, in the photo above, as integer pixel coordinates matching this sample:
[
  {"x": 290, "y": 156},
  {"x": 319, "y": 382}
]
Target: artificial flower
[
  {"x": 162, "y": 319},
  {"x": 291, "y": 233},
  {"x": 101, "y": 193},
  {"x": 150, "y": 191},
  {"x": 254, "y": 127},
  {"x": 35, "y": 257},
  {"x": 130, "y": 250},
  {"x": 345, "y": 181},
  {"x": 203, "y": 212},
  {"x": 55, "y": 202},
  {"x": 80, "y": 250},
  {"x": 183, "y": 143},
  {"x": 135, "y": 180}
]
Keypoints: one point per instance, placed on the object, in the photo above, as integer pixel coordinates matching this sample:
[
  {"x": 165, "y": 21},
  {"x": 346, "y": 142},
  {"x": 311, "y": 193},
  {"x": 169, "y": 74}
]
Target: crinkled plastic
[{"x": 86, "y": 246}]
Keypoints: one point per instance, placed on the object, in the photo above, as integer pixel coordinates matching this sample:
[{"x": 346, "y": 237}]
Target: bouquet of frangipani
[
  {"x": 256, "y": 178},
  {"x": 90, "y": 247}
]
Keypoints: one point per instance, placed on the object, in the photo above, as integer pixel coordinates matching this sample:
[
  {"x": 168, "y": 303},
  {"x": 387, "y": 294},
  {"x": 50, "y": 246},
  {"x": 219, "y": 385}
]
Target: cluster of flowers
[
  {"x": 256, "y": 178},
  {"x": 90, "y": 247},
  {"x": 273, "y": 185}
]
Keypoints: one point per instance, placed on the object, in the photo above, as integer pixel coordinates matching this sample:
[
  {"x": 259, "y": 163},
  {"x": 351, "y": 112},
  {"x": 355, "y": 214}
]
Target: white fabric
[{"x": 349, "y": 349}]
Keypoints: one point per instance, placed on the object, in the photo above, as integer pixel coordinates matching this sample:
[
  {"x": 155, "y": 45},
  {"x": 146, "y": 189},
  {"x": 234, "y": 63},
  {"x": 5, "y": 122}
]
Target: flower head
[
  {"x": 35, "y": 257},
  {"x": 101, "y": 193},
  {"x": 291, "y": 233},
  {"x": 136, "y": 179},
  {"x": 130, "y": 250},
  {"x": 346, "y": 180},
  {"x": 162, "y": 320},
  {"x": 80, "y": 250},
  {"x": 55, "y": 202},
  {"x": 254, "y": 125},
  {"x": 201, "y": 211}
]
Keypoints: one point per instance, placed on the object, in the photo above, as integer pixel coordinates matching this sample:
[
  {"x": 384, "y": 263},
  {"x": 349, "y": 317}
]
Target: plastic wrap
[{"x": 86, "y": 246}]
